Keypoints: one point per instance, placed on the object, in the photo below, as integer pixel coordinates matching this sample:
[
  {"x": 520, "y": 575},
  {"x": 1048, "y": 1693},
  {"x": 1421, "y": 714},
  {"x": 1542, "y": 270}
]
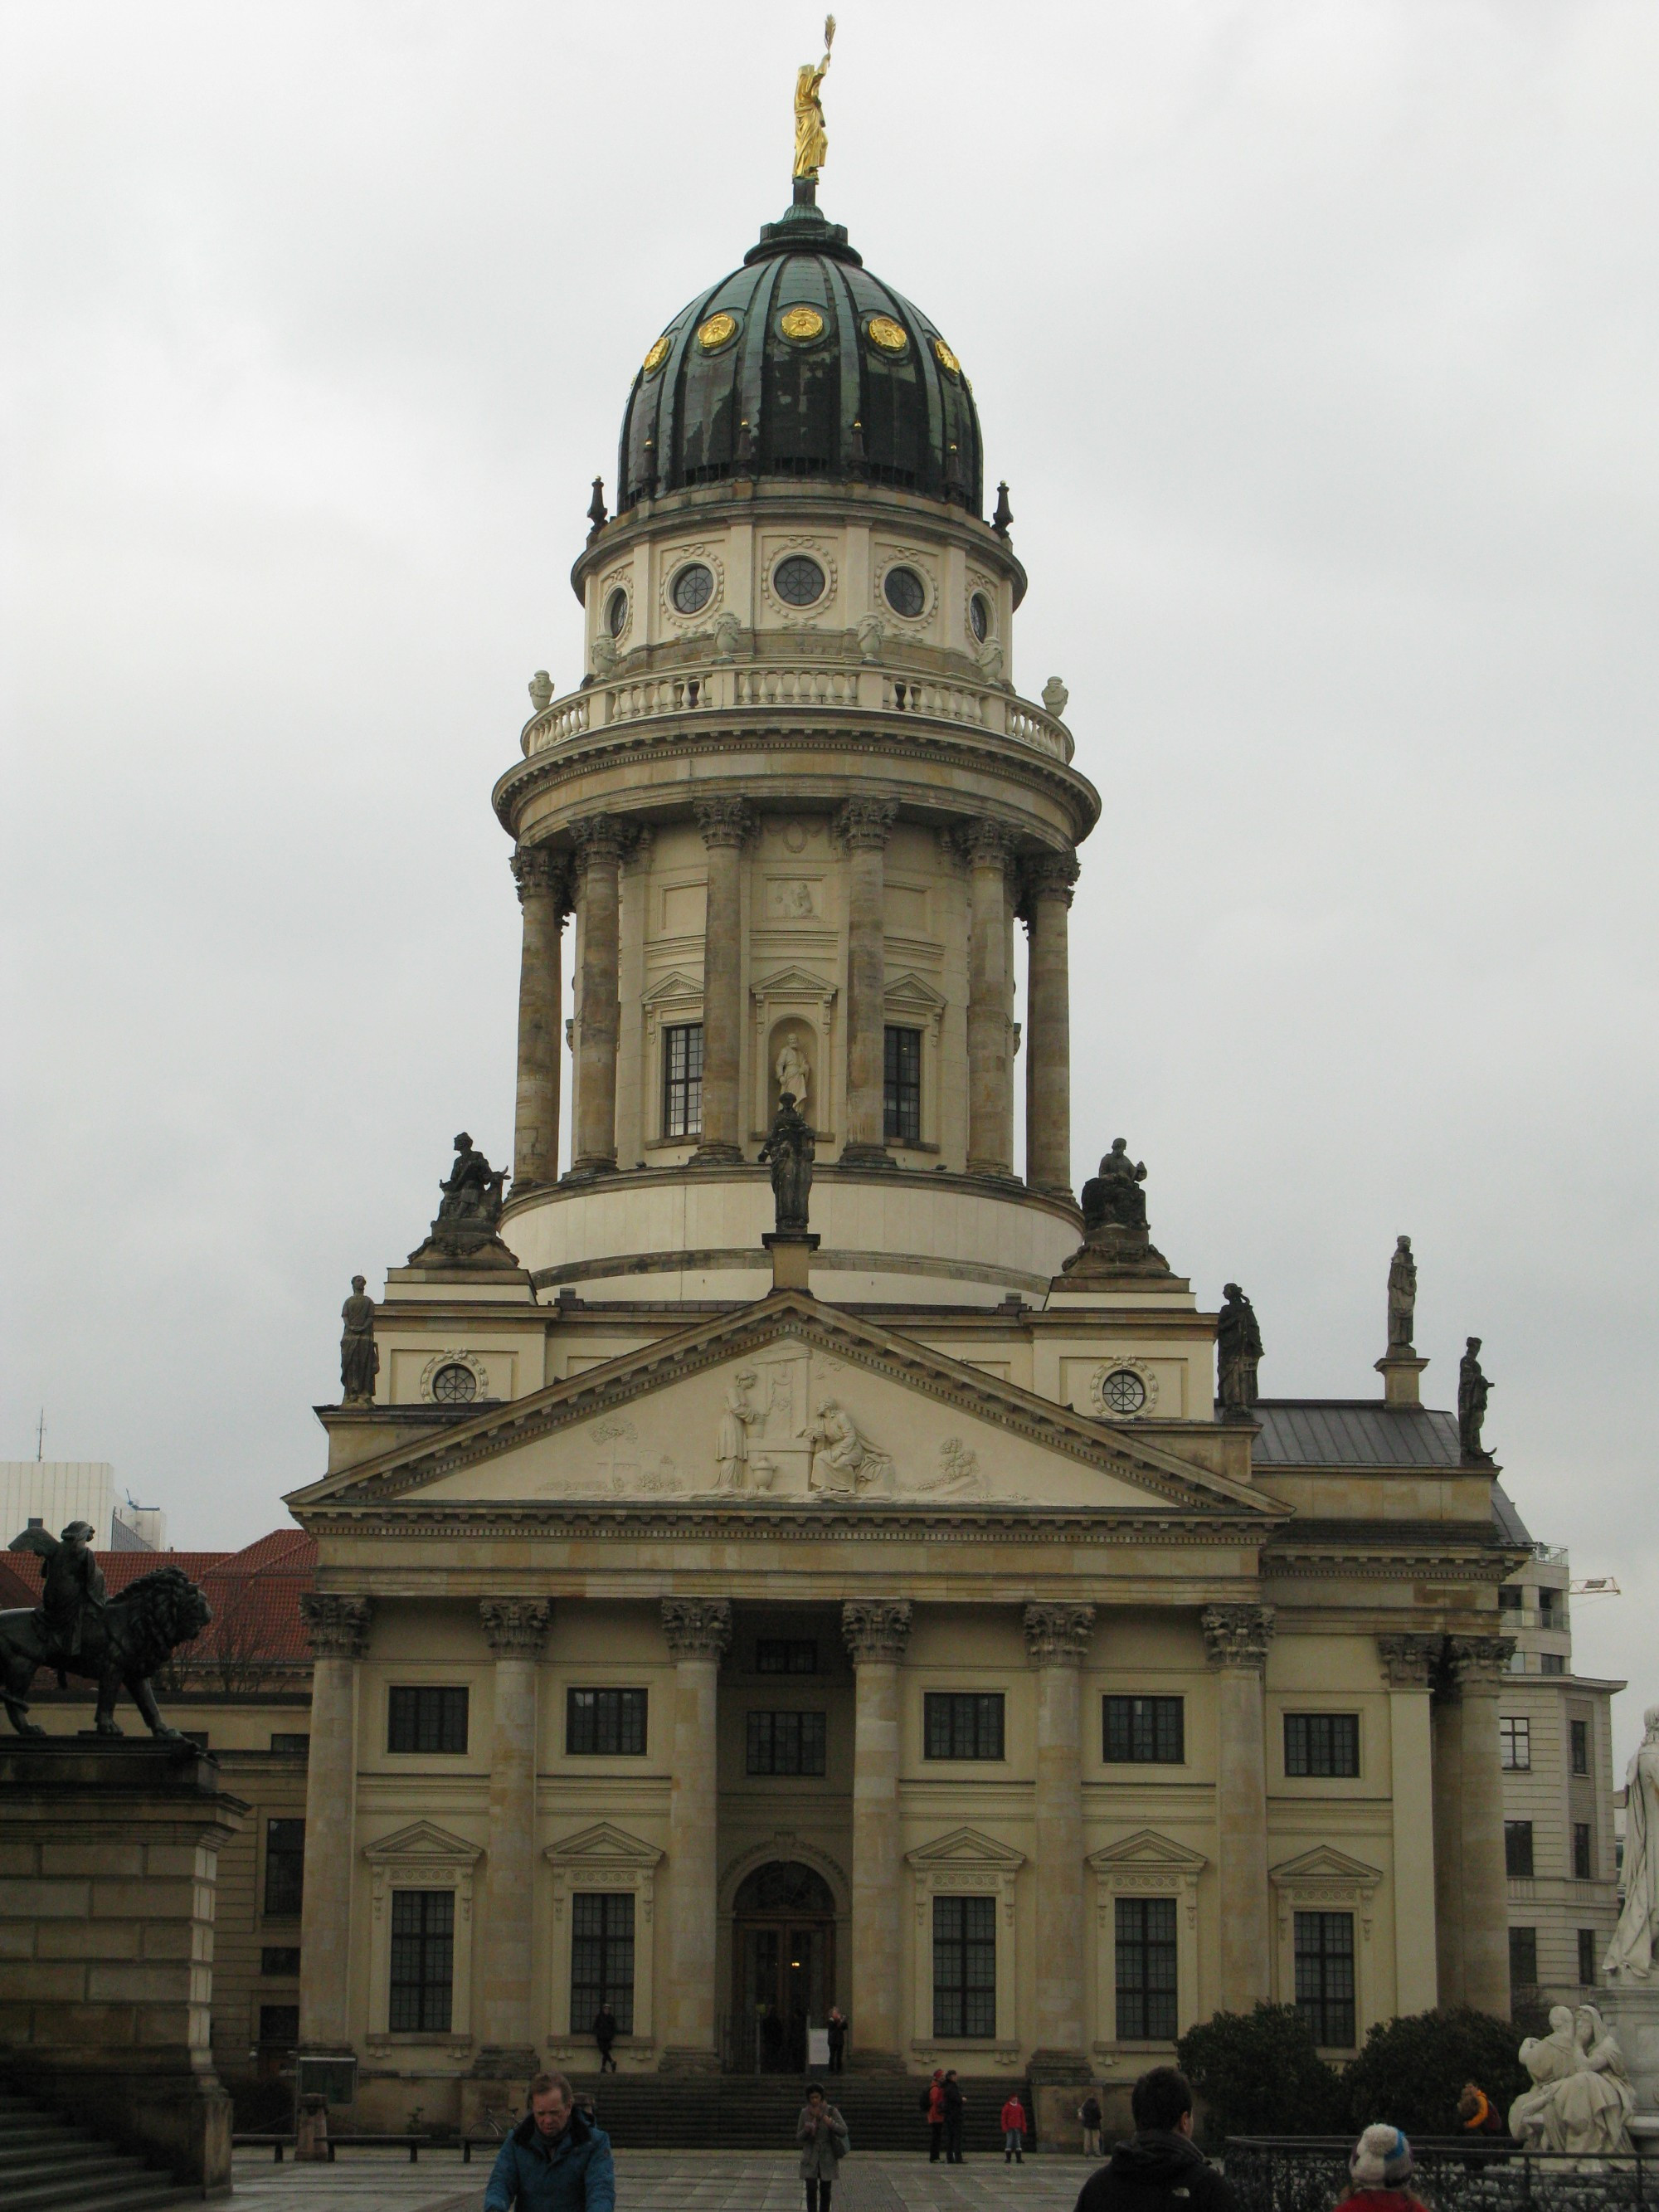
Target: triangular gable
[
  {"x": 910, "y": 989},
  {"x": 964, "y": 1848},
  {"x": 675, "y": 986},
  {"x": 603, "y": 1846},
  {"x": 423, "y": 1844},
  {"x": 784, "y": 982},
  {"x": 1147, "y": 1852},
  {"x": 1325, "y": 1863}
]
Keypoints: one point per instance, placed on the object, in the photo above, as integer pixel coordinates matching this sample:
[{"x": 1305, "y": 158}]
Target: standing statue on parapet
[
  {"x": 360, "y": 1356},
  {"x": 1403, "y": 1298},
  {"x": 789, "y": 1152},
  {"x": 1238, "y": 1351},
  {"x": 1472, "y": 1391}
]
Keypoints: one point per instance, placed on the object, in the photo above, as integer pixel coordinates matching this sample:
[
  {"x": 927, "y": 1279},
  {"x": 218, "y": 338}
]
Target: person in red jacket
[
  {"x": 935, "y": 2110},
  {"x": 1013, "y": 2131},
  {"x": 1379, "y": 2167}
]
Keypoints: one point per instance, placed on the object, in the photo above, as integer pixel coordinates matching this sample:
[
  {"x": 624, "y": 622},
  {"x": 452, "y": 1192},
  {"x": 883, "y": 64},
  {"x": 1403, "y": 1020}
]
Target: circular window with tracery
[
  {"x": 1123, "y": 1391},
  {"x": 798, "y": 580},
  {"x": 454, "y": 1385},
  {"x": 693, "y": 588},
  {"x": 904, "y": 592}
]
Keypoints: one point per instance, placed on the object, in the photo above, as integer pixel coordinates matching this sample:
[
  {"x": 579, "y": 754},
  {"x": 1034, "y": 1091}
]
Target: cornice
[{"x": 876, "y": 1522}]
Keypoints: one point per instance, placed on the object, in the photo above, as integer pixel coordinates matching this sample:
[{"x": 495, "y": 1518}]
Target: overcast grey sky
[{"x": 1316, "y": 340}]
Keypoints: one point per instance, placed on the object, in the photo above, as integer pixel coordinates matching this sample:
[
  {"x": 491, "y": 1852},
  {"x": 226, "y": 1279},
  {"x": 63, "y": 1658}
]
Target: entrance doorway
[{"x": 783, "y": 1950}]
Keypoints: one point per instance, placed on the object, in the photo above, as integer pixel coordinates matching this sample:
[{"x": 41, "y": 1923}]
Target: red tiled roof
[{"x": 255, "y": 1593}]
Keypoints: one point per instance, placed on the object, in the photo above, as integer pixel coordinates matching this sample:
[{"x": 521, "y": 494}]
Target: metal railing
[{"x": 1309, "y": 2173}]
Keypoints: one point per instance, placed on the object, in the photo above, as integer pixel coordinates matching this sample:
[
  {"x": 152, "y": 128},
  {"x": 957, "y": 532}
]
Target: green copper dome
[{"x": 801, "y": 364}]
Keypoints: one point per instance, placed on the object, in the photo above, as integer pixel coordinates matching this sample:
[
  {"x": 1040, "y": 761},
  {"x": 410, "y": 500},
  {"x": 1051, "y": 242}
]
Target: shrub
[
  {"x": 1260, "y": 2074},
  {"x": 1412, "y": 2069}
]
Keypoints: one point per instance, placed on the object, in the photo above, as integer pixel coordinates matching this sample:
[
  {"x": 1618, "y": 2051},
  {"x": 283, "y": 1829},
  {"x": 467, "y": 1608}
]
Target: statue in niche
[
  {"x": 795, "y": 1075},
  {"x": 1630, "y": 1954},
  {"x": 788, "y": 1150},
  {"x": 463, "y": 1232},
  {"x": 844, "y": 1460},
  {"x": 1238, "y": 1351},
  {"x": 360, "y": 1356},
  {"x": 1403, "y": 1298},
  {"x": 737, "y": 1416}
]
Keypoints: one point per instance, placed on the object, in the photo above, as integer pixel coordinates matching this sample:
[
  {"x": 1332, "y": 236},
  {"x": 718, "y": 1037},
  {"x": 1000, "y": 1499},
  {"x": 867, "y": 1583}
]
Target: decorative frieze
[
  {"x": 1408, "y": 1661},
  {"x": 1237, "y": 1635},
  {"x": 697, "y": 1627},
  {"x": 337, "y": 1627},
  {"x": 516, "y": 1627},
  {"x": 1058, "y": 1635},
  {"x": 875, "y": 1629}
]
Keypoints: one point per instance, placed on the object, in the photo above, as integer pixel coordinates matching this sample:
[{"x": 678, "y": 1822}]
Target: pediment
[
  {"x": 910, "y": 989},
  {"x": 673, "y": 988},
  {"x": 792, "y": 983},
  {"x": 789, "y": 1406},
  {"x": 1147, "y": 1852},
  {"x": 603, "y": 1846},
  {"x": 1326, "y": 1863},
  {"x": 423, "y": 1842},
  {"x": 964, "y": 1849}
]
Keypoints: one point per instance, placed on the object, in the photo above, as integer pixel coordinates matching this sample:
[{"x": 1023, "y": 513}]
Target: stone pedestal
[
  {"x": 109, "y": 1857},
  {"x": 1631, "y": 2010}
]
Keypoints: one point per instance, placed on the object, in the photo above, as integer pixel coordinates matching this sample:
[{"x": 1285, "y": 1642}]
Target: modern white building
[{"x": 52, "y": 1492}]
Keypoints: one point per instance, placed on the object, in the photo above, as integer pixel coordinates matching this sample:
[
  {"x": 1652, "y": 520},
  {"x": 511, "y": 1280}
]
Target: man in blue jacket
[{"x": 554, "y": 2161}]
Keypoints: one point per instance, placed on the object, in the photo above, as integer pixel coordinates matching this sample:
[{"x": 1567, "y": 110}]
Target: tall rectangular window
[
  {"x": 1587, "y": 1957},
  {"x": 279, "y": 2026},
  {"x": 285, "y": 1868},
  {"x": 1324, "y": 1977},
  {"x": 420, "y": 1718},
  {"x": 1581, "y": 1850},
  {"x": 1517, "y": 1849},
  {"x": 604, "y": 1724},
  {"x": 960, "y": 1725},
  {"x": 423, "y": 1960},
  {"x": 786, "y": 1743},
  {"x": 901, "y": 1086},
  {"x": 785, "y": 1655},
  {"x": 1580, "y": 1747},
  {"x": 1143, "y": 1731},
  {"x": 1146, "y": 1969},
  {"x": 1523, "y": 1958},
  {"x": 682, "y": 1080},
  {"x": 1514, "y": 1745},
  {"x": 1322, "y": 1744},
  {"x": 601, "y": 1958},
  {"x": 964, "y": 1966}
]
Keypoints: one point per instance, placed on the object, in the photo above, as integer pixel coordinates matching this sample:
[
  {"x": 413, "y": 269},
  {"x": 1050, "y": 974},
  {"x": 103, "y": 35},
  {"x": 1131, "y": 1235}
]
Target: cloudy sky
[{"x": 1316, "y": 340}]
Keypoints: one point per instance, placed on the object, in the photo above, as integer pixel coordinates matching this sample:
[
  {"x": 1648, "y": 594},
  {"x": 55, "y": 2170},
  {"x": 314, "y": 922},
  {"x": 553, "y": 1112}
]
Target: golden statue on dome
[{"x": 811, "y": 140}]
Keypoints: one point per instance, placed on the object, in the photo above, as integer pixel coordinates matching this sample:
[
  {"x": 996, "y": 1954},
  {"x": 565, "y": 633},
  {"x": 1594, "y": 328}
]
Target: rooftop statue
[
  {"x": 78, "y": 1628},
  {"x": 464, "y": 1230},
  {"x": 1631, "y": 1955},
  {"x": 1116, "y": 1237},
  {"x": 1472, "y": 1391},
  {"x": 811, "y": 140},
  {"x": 789, "y": 1152},
  {"x": 1402, "y": 1298},
  {"x": 1238, "y": 1352}
]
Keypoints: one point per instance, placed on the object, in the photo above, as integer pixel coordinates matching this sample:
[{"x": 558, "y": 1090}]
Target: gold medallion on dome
[
  {"x": 720, "y": 330},
  {"x": 655, "y": 358},
  {"x": 946, "y": 360},
  {"x": 802, "y": 325},
  {"x": 890, "y": 337}
]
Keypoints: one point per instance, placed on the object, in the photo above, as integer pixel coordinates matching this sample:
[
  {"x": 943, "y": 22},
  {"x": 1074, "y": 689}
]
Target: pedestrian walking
[
  {"x": 837, "y": 2027},
  {"x": 955, "y": 2105},
  {"x": 554, "y": 2160},
  {"x": 1379, "y": 2167},
  {"x": 604, "y": 2034},
  {"x": 1090, "y": 2113},
  {"x": 1159, "y": 2168},
  {"x": 821, "y": 2134},
  {"x": 933, "y": 2105},
  {"x": 1012, "y": 2124}
]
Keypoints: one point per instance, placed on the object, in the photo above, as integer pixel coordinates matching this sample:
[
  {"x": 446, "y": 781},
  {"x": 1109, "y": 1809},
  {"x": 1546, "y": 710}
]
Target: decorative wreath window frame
[
  {"x": 985, "y": 587},
  {"x": 422, "y": 1856},
  {"x": 821, "y": 549},
  {"x": 619, "y": 580},
  {"x": 966, "y": 1863},
  {"x": 602, "y": 1859},
  {"x": 1101, "y": 1375},
  {"x": 687, "y": 556},
  {"x": 1145, "y": 1864},
  {"x": 477, "y": 1368},
  {"x": 891, "y": 556}
]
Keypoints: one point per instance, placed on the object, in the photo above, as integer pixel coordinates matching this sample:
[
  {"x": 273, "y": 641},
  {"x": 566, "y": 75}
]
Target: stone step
[
  {"x": 83, "y": 2162},
  {"x": 149, "y": 2193}
]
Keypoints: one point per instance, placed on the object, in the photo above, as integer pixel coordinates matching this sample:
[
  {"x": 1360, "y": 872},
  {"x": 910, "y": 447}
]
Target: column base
[
  {"x": 717, "y": 1155},
  {"x": 590, "y": 1164},
  {"x": 864, "y": 1156},
  {"x": 688, "y": 2062},
  {"x": 996, "y": 1171}
]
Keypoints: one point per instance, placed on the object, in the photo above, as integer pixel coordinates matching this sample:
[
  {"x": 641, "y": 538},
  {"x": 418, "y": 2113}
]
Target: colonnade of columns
[{"x": 1039, "y": 885}]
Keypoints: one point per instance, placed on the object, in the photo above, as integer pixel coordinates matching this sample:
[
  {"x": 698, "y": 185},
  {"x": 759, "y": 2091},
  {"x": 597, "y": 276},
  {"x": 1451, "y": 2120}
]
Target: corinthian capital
[
  {"x": 724, "y": 821},
  {"x": 600, "y": 839},
  {"x": 985, "y": 844},
  {"x": 1481, "y": 1661},
  {"x": 697, "y": 1627},
  {"x": 1049, "y": 875},
  {"x": 339, "y": 1626},
  {"x": 1058, "y": 1635},
  {"x": 516, "y": 1626},
  {"x": 1237, "y": 1635},
  {"x": 538, "y": 871},
  {"x": 875, "y": 1628},
  {"x": 865, "y": 825},
  {"x": 1408, "y": 1661}
]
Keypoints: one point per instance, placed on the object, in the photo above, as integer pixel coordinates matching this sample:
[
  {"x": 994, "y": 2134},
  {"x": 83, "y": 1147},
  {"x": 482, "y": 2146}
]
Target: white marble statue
[
  {"x": 737, "y": 1416},
  {"x": 1630, "y": 1955},
  {"x": 794, "y": 1073},
  {"x": 1581, "y": 2100}
]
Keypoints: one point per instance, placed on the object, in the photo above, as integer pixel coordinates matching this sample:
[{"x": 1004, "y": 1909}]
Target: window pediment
[
  {"x": 967, "y": 1850},
  {"x": 1147, "y": 1852},
  {"x": 423, "y": 1848},
  {"x": 600, "y": 1849}
]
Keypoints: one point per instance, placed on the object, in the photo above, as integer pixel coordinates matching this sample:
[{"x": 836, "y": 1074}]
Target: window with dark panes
[
  {"x": 1324, "y": 1977},
  {"x": 901, "y": 1086},
  {"x": 1517, "y": 1849},
  {"x": 279, "y": 1959},
  {"x": 682, "y": 1080},
  {"x": 1144, "y": 1731},
  {"x": 786, "y": 1743},
  {"x": 1581, "y": 1850},
  {"x": 285, "y": 1868},
  {"x": 1587, "y": 1948},
  {"x": 1551, "y": 1662},
  {"x": 1514, "y": 1745},
  {"x": 962, "y": 1724},
  {"x": 601, "y": 1958},
  {"x": 1146, "y": 1969},
  {"x": 1523, "y": 1958},
  {"x": 785, "y": 1655},
  {"x": 964, "y": 1967},
  {"x": 605, "y": 1722},
  {"x": 294, "y": 1745},
  {"x": 423, "y": 1960},
  {"x": 421, "y": 1717},
  {"x": 279, "y": 2025},
  {"x": 1580, "y": 1747},
  {"x": 1322, "y": 1744}
]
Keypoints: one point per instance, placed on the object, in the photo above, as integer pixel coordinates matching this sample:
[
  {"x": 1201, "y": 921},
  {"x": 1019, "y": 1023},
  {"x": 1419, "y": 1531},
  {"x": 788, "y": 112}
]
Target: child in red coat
[{"x": 1013, "y": 2131}]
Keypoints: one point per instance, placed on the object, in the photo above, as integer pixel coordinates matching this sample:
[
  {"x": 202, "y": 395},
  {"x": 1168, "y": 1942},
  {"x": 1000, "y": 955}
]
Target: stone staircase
[
  {"x": 758, "y": 2112},
  {"x": 45, "y": 2162}
]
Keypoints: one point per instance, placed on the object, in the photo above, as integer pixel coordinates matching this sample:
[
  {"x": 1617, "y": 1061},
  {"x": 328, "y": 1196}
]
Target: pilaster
[
  {"x": 1408, "y": 1666},
  {"x": 1236, "y": 1640},
  {"x": 1057, "y": 1638},
  {"x": 516, "y": 1629}
]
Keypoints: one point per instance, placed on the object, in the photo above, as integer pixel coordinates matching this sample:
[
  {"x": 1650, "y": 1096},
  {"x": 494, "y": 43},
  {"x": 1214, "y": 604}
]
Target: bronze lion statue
[{"x": 122, "y": 1642}]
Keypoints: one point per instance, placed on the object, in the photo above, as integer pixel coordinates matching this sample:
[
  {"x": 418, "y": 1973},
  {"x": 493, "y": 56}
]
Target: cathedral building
[{"x": 721, "y": 1615}]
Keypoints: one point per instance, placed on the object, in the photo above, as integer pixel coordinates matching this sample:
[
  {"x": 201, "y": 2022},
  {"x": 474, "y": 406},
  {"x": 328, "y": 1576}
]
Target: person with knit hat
[{"x": 1379, "y": 2167}]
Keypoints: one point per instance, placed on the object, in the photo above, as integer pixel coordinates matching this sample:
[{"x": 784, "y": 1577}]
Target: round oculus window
[
  {"x": 798, "y": 580},
  {"x": 692, "y": 588},
  {"x": 886, "y": 335},
  {"x": 904, "y": 592},
  {"x": 719, "y": 330},
  {"x": 616, "y": 613},
  {"x": 800, "y": 325},
  {"x": 1123, "y": 1391},
  {"x": 978, "y": 615},
  {"x": 454, "y": 1385},
  {"x": 655, "y": 358}
]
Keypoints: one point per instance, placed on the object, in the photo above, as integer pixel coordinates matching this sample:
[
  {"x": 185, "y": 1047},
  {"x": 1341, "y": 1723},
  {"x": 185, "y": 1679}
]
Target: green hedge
[{"x": 1412, "y": 2069}]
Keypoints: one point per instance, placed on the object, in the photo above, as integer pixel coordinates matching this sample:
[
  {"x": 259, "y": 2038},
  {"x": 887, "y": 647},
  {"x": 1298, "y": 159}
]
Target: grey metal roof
[
  {"x": 1511, "y": 1526},
  {"x": 1353, "y": 1432}
]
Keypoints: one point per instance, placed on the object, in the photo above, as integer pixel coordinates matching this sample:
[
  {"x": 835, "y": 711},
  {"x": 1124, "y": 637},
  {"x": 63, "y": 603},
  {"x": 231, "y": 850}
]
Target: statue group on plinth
[
  {"x": 1116, "y": 1237},
  {"x": 1581, "y": 2100},
  {"x": 465, "y": 1231}
]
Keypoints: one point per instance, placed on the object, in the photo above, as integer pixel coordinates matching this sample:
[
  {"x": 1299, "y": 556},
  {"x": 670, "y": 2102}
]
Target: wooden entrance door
[{"x": 784, "y": 1966}]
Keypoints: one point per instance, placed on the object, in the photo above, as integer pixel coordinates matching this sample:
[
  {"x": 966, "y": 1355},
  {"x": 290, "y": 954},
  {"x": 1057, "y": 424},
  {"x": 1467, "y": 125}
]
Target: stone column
[
  {"x": 1049, "y": 881},
  {"x": 990, "y": 1095},
  {"x": 542, "y": 881},
  {"x": 725, "y": 824},
  {"x": 517, "y": 1629},
  {"x": 1057, "y": 1638},
  {"x": 1480, "y": 1663},
  {"x": 600, "y": 843},
  {"x": 1407, "y": 1661},
  {"x": 339, "y": 1637},
  {"x": 1446, "y": 1761},
  {"x": 1236, "y": 1639},
  {"x": 865, "y": 826},
  {"x": 876, "y": 1633},
  {"x": 699, "y": 1633}
]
